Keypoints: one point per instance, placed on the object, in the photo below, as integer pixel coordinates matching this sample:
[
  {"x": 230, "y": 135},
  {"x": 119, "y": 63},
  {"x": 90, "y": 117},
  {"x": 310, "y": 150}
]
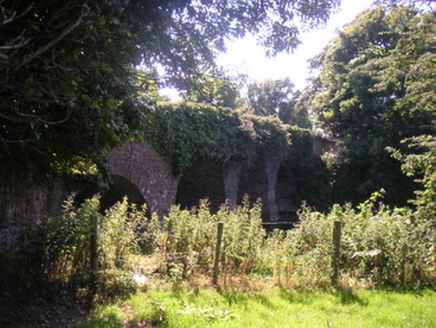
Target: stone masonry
[{"x": 138, "y": 162}]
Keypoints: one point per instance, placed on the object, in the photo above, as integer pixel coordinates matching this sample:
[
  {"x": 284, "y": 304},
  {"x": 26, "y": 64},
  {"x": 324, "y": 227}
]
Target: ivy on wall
[{"x": 189, "y": 132}]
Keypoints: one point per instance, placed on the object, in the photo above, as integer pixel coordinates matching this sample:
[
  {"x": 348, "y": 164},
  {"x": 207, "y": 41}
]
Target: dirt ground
[{"x": 41, "y": 315}]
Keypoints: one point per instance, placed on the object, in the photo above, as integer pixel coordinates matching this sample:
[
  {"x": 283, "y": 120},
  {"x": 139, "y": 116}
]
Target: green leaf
[{"x": 116, "y": 21}]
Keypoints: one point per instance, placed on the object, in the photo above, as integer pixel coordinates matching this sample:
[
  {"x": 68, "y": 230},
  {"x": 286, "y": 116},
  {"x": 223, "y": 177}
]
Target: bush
[
  {"x": 379, "y": 245},
  {"x": 188, "y": 240},
  {"x": 68, "y": 245}
]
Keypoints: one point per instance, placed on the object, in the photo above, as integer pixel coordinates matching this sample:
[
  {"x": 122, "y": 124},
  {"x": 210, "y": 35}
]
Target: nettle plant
[
  {"x": 379, "y": 245},
  {"x": 187, "y": 242},
  {"x": 68, "y": 239}
]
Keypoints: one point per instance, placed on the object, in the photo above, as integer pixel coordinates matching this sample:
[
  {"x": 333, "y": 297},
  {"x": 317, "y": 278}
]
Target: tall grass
[{"x": 380, "y": 247}]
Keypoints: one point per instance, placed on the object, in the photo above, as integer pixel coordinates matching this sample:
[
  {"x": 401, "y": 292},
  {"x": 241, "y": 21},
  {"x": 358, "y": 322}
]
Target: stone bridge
[
  {"x": 141, "y": 165},
  {"x": 143, "y": 175}
]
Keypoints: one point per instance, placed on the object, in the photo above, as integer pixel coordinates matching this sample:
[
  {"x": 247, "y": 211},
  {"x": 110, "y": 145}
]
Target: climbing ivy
[{"x": 189, "y": 132}]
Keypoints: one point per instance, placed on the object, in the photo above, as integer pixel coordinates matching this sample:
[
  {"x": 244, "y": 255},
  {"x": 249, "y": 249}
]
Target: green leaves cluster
[
  {"x": 67, "y": 242},
  {"x": 422, "y": 165},
  {"x": 379, "y": 246},
  {"x": 69, "y": 82},
  {"x": 265, "y": 98},
  {"x": 375, "y": 89},
  {"x": 187, "y": 244},
  {"x": 190, "y": 133}
]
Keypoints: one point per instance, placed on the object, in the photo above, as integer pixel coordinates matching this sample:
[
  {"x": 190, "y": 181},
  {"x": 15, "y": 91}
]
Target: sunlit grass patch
[{"x": 272, "y": 308}]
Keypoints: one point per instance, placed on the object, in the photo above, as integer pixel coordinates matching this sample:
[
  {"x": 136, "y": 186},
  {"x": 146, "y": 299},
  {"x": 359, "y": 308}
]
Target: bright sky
[{"x": 244, "y": 56}]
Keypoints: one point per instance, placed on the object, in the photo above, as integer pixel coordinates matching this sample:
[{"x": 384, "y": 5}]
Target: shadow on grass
[
  {"x": 298, "y": 297},
  {"x": 347, "y": 297},
  {"x": 308, "y": 297},
  {"x": 245, "y": 298}
]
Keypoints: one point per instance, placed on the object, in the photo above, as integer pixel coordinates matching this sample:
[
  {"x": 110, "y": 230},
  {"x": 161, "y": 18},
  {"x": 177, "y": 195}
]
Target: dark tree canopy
[
  {"x": 69, "y": 83},
  {"x": 376, "y": 88}
]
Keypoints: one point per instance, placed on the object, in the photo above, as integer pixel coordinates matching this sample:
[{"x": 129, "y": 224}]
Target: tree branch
[
  {"x": 13, "y": 17},
  {"x": 15, "y": 46},
  {"x": 52, "y": 43}
]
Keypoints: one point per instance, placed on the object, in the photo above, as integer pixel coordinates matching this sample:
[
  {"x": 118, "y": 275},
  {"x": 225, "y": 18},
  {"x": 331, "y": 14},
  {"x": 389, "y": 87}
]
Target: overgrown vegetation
[
  {"x": 381, "y": 247},
  {"x": 375, "y": 89},
  {"x": 189, "y": 133},
  {"x": 71, "y": 87},
  {"x": 68, "y": 244}
]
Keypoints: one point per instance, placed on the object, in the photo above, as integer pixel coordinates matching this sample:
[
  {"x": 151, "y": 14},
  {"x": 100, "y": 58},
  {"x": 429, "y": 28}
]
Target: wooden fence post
[
  {"x": 336, "y": 239},
  {"x": 434, "y": 242},
  {"x": 217, "y": 253},
  {"x": 94, "y": 255}
]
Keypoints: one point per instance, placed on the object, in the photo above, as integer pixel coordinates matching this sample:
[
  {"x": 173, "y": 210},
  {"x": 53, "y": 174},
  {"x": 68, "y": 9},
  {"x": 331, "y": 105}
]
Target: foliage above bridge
[{"x": 188, "y": 133}]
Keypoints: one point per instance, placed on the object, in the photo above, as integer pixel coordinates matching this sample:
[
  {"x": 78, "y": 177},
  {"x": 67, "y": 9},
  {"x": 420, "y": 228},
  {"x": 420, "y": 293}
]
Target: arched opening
[
  {"x": 286, "y": 195},
  {"x": 205, "y": 180},
  {"x": 120, "y": 188}
]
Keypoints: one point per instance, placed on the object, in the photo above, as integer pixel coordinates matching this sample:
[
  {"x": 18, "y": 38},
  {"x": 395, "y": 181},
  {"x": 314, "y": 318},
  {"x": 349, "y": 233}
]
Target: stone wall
[
  {"x": 24, "y": 202},
  {"x": 138, "y": 162},
  {"x": 262, "y": 179},
  {"x": 203, "y": 180}
]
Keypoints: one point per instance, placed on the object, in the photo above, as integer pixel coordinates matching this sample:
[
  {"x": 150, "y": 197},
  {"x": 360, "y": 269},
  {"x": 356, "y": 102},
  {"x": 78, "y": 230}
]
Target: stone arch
[
  {"x": 203, "y": 180},
  {"x": 139, "y": 163},
  {"x": 120, "y": 188}
]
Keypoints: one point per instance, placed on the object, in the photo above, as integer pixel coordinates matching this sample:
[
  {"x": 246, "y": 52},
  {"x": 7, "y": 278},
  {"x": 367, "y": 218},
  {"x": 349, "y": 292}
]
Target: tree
[
  {"x": 295, "y": 111},
  {"x": 375, "y": 89},
  {"x": 69, "y": 86},
  {"x": 421, "y": 164},
  {"x": 266, "y": 97},
  {"x": 215, "y": 90}
]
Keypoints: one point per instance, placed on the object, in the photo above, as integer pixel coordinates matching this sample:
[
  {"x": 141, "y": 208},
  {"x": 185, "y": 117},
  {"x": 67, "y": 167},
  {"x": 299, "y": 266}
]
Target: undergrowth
[{"x": 380, "y": 247}]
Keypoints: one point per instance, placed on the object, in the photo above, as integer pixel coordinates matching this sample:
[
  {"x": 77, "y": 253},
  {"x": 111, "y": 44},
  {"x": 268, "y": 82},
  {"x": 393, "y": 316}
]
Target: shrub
[
  {"x": 188, "y": 239},
  {"x": 384, "y": 246},
  {"x": 68, "y": 245},
  {"x": 380, "y": 246}
]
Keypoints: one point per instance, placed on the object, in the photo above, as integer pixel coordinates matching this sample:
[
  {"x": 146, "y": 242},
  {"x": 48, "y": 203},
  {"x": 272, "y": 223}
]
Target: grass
[{"x": 275, "y": 307}]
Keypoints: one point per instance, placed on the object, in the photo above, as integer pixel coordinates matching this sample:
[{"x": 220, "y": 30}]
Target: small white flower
[{"x": 139, "y": 278}]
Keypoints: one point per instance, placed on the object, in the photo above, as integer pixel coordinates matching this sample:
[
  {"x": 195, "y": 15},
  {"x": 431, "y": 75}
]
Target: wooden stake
[
  {"x": 94, "y": 255},
  {"x": 217, "y": 253},
  {"x": 336, "y": 239}
]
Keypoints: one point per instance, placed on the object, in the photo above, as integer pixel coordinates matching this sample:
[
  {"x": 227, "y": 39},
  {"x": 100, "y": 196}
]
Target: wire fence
[
  {"x": 216, "y": 254},
  {"x": 379, "y": 246}
]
